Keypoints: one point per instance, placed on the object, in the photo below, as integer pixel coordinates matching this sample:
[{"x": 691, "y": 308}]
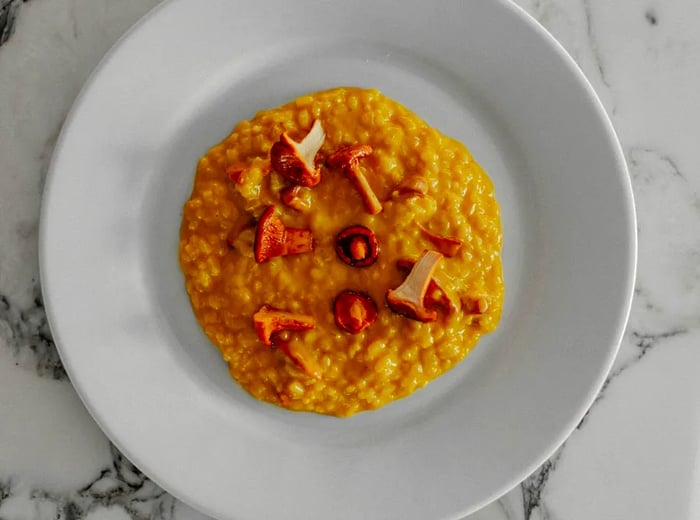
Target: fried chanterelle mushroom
[
  {"x": 273, "y": 238},
  {"x": 269, "y": 321},
  {"x": 295, "y": 161},
  {"x": 354, "y": 311},
  {"x": 408, "y": 299},
  {"x": 347, "y": 159}
]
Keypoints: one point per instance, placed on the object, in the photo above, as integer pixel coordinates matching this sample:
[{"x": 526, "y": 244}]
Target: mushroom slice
[
  {"x": 235, "y": 173},
  {"x": 295, "y": 161},
  {"x": 357, "y": 246},
  {"x": 408, "y": 299},
  {"x": 292, "y": 197},
  {"x": 448, "y": 246},
  {"x": 354, "y": 311},
  {"x": 347, "y": 159},
  {"x": 269, "y": 321},
  {"x": 302, "y": 358},
  {"x": 273, "y": 238}
]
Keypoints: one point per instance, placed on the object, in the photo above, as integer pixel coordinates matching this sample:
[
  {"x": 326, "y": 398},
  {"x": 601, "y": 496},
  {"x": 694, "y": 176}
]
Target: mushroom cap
[
  {"x": 354, "y": 311},
  {"x": 344, "y": 242},
  {"x": 348, "y": 155}
]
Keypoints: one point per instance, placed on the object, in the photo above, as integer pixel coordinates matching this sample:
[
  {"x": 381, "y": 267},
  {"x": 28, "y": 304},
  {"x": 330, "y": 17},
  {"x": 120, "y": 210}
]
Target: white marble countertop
[{"x": 636, "y": 454}]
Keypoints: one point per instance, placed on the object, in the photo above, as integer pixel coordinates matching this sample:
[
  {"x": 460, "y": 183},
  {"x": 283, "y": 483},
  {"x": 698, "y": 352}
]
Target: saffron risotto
[{"x": 395, "y": 355}]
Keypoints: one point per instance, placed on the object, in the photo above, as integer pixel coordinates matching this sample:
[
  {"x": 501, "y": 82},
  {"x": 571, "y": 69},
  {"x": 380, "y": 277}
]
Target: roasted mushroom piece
[
  {"x": 408, "y": 299},
  {"x": 354, "y": 311},
  {"x": 436, "y": 296},
  {"x": 357, "y": 246},
  {"x": 448, "y": 246},
  {"x": 292, "y": 197},
  {"x": 295, "y": 161},
  {"x": 302, "y": 358},
  {"x": 273, "y": 238},
  {"x": 347, "y": 159},
  {"x": 269, "y": 321}
]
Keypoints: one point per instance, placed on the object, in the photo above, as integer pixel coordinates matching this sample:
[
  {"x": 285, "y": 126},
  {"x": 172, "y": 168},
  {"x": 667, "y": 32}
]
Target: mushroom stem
[
  {"x": 297, "y": 241},
  {"x": 347, "y": 159},
  {"x": 369, "y": 198}
]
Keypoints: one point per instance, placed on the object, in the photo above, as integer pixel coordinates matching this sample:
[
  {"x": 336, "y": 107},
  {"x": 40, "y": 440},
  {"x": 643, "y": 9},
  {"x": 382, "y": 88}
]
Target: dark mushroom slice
[
  {"x": 357, "y": 246},
  {"x": 354, "y": 311},
  {"x": 413, "y": 185}
]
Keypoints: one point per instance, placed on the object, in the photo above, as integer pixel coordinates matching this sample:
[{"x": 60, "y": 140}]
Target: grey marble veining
[
  {"x": 643, "y": 59},
  {"x": 8, "y": 16},
  {"x": 26, "y": 333}
]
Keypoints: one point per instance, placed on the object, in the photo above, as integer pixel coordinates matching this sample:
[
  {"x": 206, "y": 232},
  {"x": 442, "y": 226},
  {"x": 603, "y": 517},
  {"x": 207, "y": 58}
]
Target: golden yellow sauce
[{"x": 394, "y": 356}]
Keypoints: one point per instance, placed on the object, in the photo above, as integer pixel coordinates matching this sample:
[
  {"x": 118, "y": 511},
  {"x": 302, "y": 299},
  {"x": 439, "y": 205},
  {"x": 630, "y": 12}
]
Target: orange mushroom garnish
[
  {"x": 291, "y": 197},
  {"x": 269, "y": 321},
  {"x": 354, "y": 311},
  {"x": 436, "y": 296},
  {"x": 347, "y": 159},
  {"x": 357, "y": 246},
  {"x": 448, "y": 246},
  {"x": 408, "y": 299},
  {"x": 273, "y": 238},
  {"x": 295, "y": 161},
  {"x": 302, "y": 358},
  {"x": 413, "y": 184}
]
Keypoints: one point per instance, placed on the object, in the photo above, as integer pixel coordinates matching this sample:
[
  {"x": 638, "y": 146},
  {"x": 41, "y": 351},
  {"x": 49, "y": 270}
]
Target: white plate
[{"x": 481, "y": 71}]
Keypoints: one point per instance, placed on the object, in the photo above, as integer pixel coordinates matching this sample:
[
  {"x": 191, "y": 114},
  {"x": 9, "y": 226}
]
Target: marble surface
[{"x": 636, "y": 454}]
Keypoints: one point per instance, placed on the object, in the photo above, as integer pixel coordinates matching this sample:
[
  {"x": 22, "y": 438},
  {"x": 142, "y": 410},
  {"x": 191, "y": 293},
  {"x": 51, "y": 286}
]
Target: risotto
[{"x": 340, "y": 252}]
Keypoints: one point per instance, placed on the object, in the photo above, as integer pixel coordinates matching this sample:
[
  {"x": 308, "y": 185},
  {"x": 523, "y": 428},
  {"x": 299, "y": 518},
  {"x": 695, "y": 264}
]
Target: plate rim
[{"x": 631, "y": 250}]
